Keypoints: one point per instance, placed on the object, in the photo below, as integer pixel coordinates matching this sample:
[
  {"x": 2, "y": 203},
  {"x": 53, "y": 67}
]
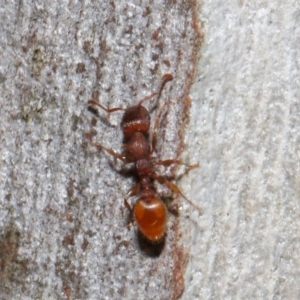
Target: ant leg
[
  {"x": 108, "y": 110},
  {"x": 169, "y": 162},
  {"x": 111, "y": 151},
  {"x": 173, "y": 187},
  {"x": 133, "y": 192}
]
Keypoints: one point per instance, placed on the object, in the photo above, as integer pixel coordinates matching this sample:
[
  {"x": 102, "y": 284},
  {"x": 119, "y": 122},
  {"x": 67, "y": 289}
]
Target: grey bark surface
[
  {"x": 245, "y": 132},
  {"x": 63, "y": 224}
]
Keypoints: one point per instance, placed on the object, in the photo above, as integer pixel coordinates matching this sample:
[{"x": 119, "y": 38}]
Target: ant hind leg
[
  {"x": 169, "y": 162},
  {"x": 133, "y": 192},
  {"x": 173, "y": 187}
]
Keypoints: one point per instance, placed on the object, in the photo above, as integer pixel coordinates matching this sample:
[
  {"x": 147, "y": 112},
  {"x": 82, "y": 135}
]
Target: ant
[{"x": 150, "y": 212}]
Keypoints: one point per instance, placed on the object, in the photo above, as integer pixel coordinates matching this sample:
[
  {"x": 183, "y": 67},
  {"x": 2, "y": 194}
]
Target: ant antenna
[{"x": 164, "y": 79}]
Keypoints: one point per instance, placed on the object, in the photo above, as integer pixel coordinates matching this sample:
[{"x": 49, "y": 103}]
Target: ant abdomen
[{"x": 150, "y": 215}]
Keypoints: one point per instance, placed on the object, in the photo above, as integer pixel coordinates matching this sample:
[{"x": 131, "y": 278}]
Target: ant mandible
[{"x": 150, "y": 212}]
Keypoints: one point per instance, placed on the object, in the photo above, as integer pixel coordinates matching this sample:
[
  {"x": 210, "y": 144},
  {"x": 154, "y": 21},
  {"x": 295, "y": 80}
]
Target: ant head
[
  {"x": 136, "y": 118},
  {"x": 150, "y": 214}
]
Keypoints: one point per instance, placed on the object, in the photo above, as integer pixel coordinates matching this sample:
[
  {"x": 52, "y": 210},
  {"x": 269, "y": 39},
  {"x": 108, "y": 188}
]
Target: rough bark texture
[{"x": 63, "y": 224}]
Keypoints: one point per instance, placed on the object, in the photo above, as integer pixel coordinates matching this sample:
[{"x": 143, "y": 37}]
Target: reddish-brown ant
[{"x": 150, "y": 212}]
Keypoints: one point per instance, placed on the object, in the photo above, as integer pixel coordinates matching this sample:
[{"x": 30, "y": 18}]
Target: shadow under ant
[{"x": 150, "y": 249}]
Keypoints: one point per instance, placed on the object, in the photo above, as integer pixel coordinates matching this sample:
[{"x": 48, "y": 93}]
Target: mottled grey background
[
  {"x": 245, "y": 126},
  {"x": 63, "y": 224}
]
